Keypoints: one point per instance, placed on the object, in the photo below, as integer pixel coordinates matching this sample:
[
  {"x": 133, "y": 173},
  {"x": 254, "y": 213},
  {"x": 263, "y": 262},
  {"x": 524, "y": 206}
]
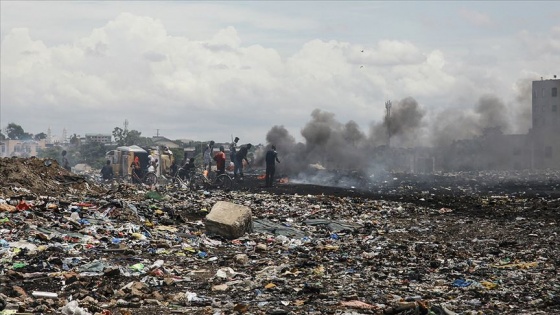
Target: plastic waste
[
  {"x": 72, "y": 308},
  {"x": 137, "y": 267},
  {"x": 42, "y": 294}
]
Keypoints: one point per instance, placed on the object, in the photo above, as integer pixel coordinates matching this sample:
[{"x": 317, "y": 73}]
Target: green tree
[
  {"x": 75, "y": 140},
  {"x": 93, "y": 154},
  {"x": 178, "y": 153},
  {"x": 16, "y": 132},
  {"x": 133, "y": 137},
  {"x": 49, "y": 153},
  {"x": 130, "y": 137},
  {"x": 40, "y": 136},
  {"x": 55, "y": 153},
  {"x": 120, "y": 135}
]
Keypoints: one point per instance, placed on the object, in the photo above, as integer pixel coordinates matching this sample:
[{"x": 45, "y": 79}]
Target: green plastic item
[
  {"x": 137, "y": 267},
  {"x": 18, "y": 265},
  {"x": 153, "y": 195}
]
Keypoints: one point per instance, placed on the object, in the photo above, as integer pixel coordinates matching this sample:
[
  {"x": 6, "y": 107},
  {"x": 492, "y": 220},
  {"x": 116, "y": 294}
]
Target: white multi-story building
[
  {"x": 98, "y": 137},
  {"x": 545, "y": 132}
]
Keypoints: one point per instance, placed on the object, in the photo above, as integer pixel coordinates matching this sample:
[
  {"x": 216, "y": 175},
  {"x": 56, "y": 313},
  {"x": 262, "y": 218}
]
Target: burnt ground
[
  {"x": 476, "y": 243},
  {"x": 473, "y": 194}
]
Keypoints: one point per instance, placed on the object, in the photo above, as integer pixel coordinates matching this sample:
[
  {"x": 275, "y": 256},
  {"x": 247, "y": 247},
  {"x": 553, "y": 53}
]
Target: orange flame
[
  {"x": 261, "y": 176},
  {"x": 205, "y": 173},
  {"x": 283, "y": 180}
]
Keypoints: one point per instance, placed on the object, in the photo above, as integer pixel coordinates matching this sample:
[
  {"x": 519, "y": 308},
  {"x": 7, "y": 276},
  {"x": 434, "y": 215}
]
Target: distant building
[
  {"x": 98, "y": 137},
  {"x": 21, "y": 148},
  {"x": 189, "y": 152},
  {"x": 164, "y": 142},
  {"x": 493, "y": 150},
  {"x": 545, "y": 132}
]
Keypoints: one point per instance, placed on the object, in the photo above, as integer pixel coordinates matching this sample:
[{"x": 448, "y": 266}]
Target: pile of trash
[
  {"x": 33, "y": 176},
  {"x": 82, "y": 249}
]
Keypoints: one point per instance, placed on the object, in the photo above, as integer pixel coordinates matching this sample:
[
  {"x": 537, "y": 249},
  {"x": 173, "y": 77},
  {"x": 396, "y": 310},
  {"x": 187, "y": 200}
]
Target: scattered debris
[{"x": 448, "y": 245}]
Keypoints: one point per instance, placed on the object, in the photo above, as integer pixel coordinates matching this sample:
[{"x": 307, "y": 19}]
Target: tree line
[{"x": 91, "y": 153}]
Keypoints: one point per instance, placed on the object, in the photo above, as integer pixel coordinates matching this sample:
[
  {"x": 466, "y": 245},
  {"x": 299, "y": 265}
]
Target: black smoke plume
[{"x": 393, "y": 143}]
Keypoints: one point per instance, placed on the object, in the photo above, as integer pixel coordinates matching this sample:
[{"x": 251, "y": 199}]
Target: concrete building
[
  {"x": 98, "y": 137},
  {"x": 21, "y": 148},
  {"x": 164, "y": 142},
  {"x": 493, "y": 150},
  {"x": 545, "y": 132}
]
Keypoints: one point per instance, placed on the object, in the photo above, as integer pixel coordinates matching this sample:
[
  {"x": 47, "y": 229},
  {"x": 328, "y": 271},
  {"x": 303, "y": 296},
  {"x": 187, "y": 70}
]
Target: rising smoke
[
  {"x": 343, "y": 147},
  {"x": 455, "y": 124},
  {"x": 522, "y": 106},
  {"x": 403, "y": 128}
]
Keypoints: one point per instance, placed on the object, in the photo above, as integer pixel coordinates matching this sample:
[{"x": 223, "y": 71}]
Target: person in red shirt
[
  {"x": 136, "y": 169},
  {"x": 220, "y": 159}
]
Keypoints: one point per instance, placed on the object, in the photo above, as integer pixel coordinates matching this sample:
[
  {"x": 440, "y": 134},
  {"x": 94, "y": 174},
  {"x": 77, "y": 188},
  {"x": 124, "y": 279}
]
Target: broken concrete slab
[{"x": 229, "y": 220}]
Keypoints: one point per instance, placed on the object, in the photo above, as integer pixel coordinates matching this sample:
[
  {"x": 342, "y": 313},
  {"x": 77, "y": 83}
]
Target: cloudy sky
[{"x": 209, "y": 70}]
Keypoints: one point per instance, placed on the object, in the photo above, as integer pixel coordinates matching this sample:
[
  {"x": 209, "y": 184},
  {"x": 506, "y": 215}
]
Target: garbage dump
[{"x": 473, "y": 243}]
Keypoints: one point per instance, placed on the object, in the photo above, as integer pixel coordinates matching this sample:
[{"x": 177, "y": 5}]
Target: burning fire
[{"x": 282, "y": 180}]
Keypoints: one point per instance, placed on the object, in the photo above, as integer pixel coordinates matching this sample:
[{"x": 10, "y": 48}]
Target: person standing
[
  {"x": 207, "y": 155},
  {"x": 239, "y": 157},
  {"x": 65, "y": 163},
  {"x": 153, "y": 161},
  {"x": 107, "y": 171},
  {"x": 271, "y": 159},
  {"x": 233, "y": 150},
  {"x": 136, "y": 169},
  {"x": 167, "y": 159},
  {"x": 220, "y": 159}
]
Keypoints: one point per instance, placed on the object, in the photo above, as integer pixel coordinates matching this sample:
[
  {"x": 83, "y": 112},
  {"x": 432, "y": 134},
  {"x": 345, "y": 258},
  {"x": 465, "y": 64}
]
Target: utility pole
[{"x": 388, "y": 119}]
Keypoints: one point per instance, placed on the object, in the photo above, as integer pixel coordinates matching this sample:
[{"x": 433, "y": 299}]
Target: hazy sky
[{"x": 207, "y": 70}]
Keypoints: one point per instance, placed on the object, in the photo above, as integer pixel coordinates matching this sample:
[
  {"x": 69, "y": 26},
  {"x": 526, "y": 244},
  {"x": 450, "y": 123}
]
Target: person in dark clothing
[
  {"x": 107, "y": 171},
  {"x": 173, "y": 168},
  {"x": 65, "y": 163},
  {"x": 239, "y": 157},
  {"x": 187, "y": 169},
  {"x": 271, "y": 159}
]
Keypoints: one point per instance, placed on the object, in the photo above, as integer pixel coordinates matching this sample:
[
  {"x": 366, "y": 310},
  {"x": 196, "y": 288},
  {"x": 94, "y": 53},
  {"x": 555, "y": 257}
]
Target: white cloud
[
  {"x": 476, "y": 18},
  {"x": 140, "y": 67},
  {"x": 541, "y": 44}
]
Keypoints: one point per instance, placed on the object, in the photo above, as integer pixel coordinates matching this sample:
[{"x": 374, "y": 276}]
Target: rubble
[{"x": 480, "y": 243}]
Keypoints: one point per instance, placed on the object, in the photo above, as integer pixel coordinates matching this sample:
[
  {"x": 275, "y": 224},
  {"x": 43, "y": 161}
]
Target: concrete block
[{"x": 229, "y": 220}]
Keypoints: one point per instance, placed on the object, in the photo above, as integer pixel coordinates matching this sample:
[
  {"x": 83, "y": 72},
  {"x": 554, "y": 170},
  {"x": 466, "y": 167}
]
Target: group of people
[{"x": 238, "y": 155}]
